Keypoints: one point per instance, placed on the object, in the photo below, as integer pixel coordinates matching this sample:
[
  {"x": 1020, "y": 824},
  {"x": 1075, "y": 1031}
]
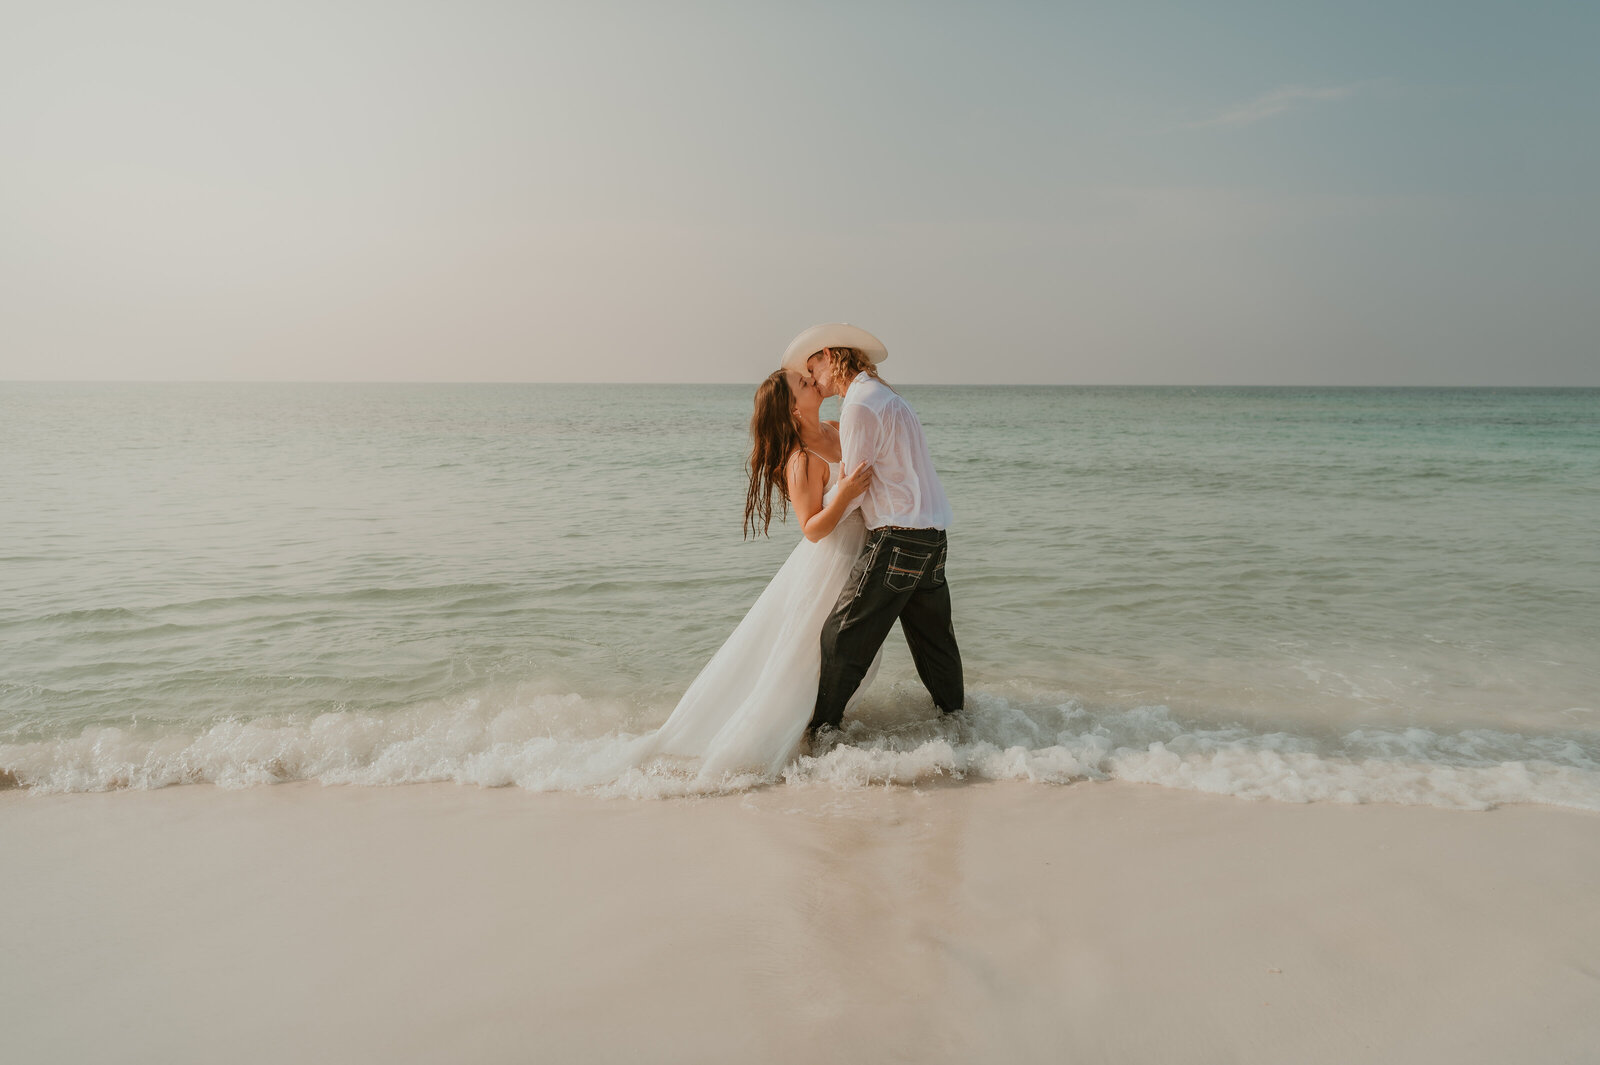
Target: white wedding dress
[{"x": 748, "y": 709}]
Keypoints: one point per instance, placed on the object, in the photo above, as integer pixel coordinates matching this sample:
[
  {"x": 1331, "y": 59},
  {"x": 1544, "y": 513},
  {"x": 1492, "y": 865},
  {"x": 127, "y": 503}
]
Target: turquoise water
[{"x": 1353, "y": 594}]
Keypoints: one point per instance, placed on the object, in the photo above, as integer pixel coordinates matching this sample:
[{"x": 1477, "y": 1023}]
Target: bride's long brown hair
[{"x": 774, "y": 436}]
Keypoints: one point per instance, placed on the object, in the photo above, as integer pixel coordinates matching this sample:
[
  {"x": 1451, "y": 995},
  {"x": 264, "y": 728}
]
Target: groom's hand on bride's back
[{"x": 857, "y": 482}]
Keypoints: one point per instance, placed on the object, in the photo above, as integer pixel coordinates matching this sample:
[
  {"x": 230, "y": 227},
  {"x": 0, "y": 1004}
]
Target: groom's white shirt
[{"x": 877, "y": 426}]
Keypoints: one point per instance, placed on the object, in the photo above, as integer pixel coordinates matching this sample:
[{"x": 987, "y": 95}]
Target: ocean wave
[{"x": 547, "y": 742}]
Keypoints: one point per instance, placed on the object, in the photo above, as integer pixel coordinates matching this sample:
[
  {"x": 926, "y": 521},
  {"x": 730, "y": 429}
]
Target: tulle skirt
[{"x": 748, "y": 709}]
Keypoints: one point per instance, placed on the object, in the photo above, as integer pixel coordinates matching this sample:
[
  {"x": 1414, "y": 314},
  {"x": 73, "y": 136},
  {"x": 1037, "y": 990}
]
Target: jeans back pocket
[{"x": 905, "y": 569}]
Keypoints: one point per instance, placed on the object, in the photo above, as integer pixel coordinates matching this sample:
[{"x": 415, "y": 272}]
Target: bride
[{"x": 748, "y": 709}]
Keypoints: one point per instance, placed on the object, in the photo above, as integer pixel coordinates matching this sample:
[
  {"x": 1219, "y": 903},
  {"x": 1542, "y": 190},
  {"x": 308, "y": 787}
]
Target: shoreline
[{"x": 1090, "y": 922}]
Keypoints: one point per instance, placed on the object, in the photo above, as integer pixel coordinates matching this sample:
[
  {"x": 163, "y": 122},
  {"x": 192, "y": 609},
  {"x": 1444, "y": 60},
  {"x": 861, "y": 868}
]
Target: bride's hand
[{"x": 857, "y": 482}]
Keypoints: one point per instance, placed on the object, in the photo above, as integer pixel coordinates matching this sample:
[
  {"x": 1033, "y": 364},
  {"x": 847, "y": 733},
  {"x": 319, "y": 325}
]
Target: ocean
[{"x": 1298, "y": 594}]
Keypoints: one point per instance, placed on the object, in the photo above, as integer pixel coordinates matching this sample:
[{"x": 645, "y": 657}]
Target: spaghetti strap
[{"x": 825, "y": 463}]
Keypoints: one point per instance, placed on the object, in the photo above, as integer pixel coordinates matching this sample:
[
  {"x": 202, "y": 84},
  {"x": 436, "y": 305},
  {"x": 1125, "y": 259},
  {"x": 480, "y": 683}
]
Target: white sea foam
[{"x": 567, "y": 742}]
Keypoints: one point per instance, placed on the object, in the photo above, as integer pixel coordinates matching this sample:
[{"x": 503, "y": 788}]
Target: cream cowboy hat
[{"x": 831, "y": 335}]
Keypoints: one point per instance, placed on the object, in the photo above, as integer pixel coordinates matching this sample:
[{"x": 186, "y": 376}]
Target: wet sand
[{"x": 1100, "y": 922}]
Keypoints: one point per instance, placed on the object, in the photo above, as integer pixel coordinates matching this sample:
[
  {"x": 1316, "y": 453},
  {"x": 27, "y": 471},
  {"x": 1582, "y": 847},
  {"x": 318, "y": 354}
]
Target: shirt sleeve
[
  {"x": 858, "y": 442},
  {"x": 858, "y": 436}
]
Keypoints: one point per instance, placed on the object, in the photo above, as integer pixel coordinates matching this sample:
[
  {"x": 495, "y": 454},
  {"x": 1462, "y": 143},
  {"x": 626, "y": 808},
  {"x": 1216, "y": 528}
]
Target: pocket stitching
[
  {"x": 866, "y": 572},
  {"x": 895, "y": 570}
]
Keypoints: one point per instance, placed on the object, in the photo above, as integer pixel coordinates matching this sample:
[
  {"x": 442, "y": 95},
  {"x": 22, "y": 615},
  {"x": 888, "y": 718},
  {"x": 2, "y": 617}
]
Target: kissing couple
[{"x": 873, "y": 515}]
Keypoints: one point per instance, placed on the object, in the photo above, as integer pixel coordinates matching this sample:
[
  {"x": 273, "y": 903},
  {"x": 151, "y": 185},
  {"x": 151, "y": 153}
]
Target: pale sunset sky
[{"x": 1148, "y": 193}]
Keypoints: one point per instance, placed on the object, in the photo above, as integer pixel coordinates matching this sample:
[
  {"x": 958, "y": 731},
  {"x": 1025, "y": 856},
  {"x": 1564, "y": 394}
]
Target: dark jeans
[{"x": 900, "y": 574}]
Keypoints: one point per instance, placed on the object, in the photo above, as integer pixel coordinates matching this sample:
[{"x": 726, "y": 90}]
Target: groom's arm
[
  {"x": 858, "y": 439},
  {"x": 858, "y": 434}
]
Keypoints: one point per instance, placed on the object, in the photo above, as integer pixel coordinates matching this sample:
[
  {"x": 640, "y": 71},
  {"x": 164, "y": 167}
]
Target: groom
[{"x": 900, "y": 572}]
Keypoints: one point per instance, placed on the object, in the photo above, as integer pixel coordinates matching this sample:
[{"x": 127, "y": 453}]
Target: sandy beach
[{"x": 1104, "y": 922}]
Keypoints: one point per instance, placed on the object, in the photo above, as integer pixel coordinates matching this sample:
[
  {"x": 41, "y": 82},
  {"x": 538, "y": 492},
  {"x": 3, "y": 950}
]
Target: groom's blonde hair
[{"x": 848, "y": 361}]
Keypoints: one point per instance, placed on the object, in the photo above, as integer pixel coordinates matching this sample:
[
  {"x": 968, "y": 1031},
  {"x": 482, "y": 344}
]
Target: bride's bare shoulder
[{"x": 800, "y": 462}]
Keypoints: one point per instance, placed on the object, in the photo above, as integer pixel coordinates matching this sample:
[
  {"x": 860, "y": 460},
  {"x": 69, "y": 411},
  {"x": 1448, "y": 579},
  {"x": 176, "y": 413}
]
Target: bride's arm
[{"x": 808, "y": 478}]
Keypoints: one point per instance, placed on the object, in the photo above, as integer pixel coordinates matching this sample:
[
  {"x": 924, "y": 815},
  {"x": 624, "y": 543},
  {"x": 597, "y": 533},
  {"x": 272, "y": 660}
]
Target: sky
[{"x": 1339, "y": 193}]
